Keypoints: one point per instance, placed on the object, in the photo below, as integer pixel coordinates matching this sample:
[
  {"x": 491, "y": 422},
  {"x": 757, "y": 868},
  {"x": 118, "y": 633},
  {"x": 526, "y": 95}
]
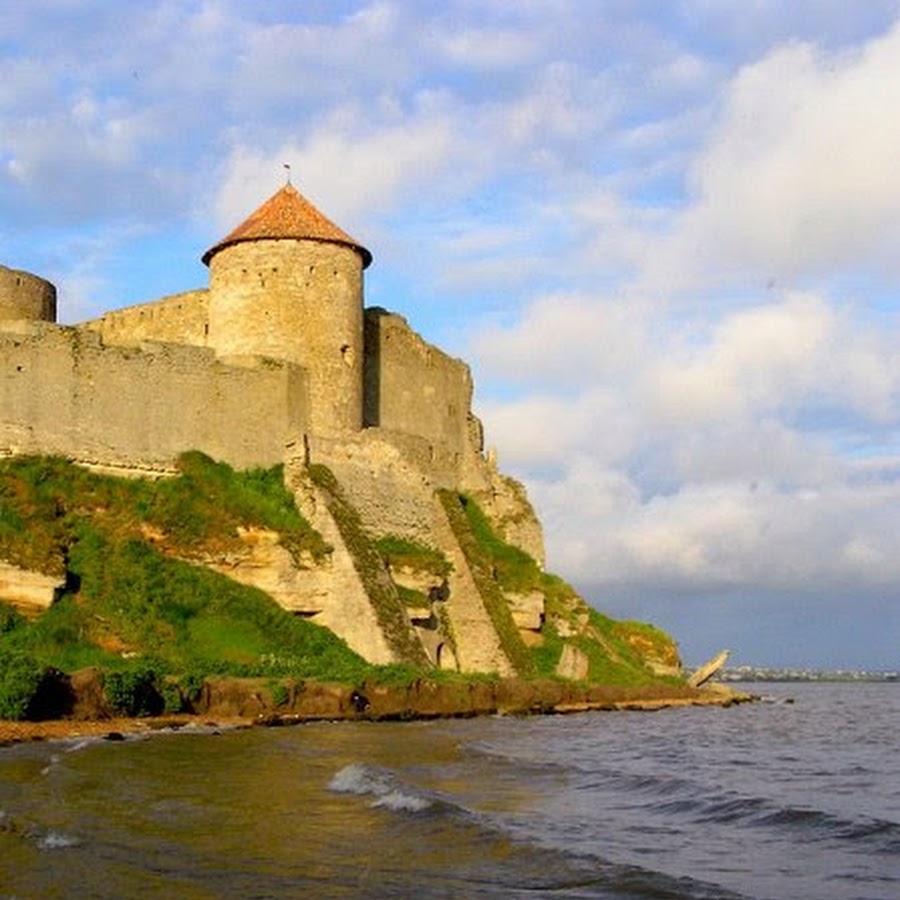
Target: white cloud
[
  {"x": 487, "y": 48},
  {"x": 754, "y": 360},
  {"x": 800, "y": 175},
  {"x": 353, "y": 170},
  {"x": 545, "y": 430},
  {"x": 569, "y": 340},
  {"x": 717, "y": 536}
]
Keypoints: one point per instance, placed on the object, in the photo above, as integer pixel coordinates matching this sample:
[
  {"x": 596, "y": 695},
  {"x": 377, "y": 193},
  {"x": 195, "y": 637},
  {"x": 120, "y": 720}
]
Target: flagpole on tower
[{"x": 287, "y": 168}]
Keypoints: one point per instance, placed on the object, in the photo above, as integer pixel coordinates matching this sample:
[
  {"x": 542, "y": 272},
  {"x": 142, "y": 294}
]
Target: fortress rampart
[
  {"x": 178, "y": 319},
  {"x": 63, "y": 391},
  {"x": 413, "y": 387},
  {"x": 278, "y": 352}
]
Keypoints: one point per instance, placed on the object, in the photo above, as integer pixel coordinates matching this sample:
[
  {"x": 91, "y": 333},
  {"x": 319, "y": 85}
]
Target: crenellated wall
[
  {"x": 63, "y": 391},
  {"x": 179, "y": 319},
  {"x": 413, "y": 388}
]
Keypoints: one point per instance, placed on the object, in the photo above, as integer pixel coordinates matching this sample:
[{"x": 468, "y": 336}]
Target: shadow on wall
[{"x": 372, "y": 366}]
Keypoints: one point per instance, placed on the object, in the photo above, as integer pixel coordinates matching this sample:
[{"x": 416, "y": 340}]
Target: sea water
[{"x": 776, "y": 799}]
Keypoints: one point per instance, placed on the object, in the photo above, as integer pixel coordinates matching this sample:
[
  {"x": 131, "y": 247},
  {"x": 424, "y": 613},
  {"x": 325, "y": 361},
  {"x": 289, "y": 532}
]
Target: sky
[{"x": 663, "y": 235}]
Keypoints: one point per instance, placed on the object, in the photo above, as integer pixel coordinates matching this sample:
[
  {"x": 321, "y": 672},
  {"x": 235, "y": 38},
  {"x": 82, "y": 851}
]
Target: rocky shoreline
[{"x": 244, "y": 702}]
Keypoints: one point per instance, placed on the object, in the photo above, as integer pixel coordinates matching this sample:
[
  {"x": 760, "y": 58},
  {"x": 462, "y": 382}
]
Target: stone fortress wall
[
  {"x": 179, "y": 319},
  {"x": 236, "y": 371},
  {"x": 414, "y": 388},
  {"x": 24, "y": 296},
  {"x": 63, "y": 391},
  {"x": 416, "y": 397}
]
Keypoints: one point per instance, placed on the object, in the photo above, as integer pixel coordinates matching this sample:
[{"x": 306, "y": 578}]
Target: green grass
[
  {"x": 128, "y": 600},
  {"x": 210, "y": 501},
  {"x": 546, "y": 657},
  {"x": 135, "y": 600},
  {"x": 648, "y": 640},
  {"x": 613, "y": 659},
  {"x": 399, "y": 552},
  {"x": 512, "y": 568},
  {"x": 226, "y": 639},
  {"x": 412, "y": 598},
  {"x": 486, "y": 554},
  {"x": 43, "y": 498},
  {"x": 20, "y": 677}
]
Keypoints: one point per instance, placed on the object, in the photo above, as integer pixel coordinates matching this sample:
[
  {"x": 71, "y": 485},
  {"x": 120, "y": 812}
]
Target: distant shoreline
[
  {"x": 230, "y": 703},
  {"x": 788, "y": 676}
]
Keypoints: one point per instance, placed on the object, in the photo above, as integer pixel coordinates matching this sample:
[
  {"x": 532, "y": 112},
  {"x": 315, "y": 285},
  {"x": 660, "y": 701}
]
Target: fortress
[
  {"x": 277, "y": 353},
  {"x": 278, "y": 361}
]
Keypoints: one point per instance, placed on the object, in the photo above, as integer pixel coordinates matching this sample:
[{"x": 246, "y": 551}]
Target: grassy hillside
[
  {"x": 128, "y": 604},
  {"x": 617, "y": 652},
  {"x": 135, "y": 605}
]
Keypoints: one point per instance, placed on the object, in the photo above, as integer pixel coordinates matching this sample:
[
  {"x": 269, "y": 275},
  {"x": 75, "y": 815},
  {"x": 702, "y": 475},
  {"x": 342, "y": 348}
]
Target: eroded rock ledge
[
  {"x": 431, "y": 700},
  {"x": 242, "y": 702}
]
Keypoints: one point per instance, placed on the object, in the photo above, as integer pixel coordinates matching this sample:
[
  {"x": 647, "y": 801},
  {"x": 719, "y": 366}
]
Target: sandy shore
[{"x": 59, "y": 729}]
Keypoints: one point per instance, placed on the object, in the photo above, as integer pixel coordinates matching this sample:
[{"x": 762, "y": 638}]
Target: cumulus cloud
[
  {"x": 720, "y": 419},
  {"x": 718, "y": 452},
  {"x": 544, "y": 430},
  {"x": 768, "y": 357},
  {"x": 800, "y": 175},
  {"x": 709, "y": 537},
  {"x": 565, "y": 340},
  {"x": 338, "y": 160}
]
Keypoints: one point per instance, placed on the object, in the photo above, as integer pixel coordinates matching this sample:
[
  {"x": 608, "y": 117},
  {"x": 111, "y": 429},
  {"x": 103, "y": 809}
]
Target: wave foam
[
  {"x": 369, "y": 781},
  {"x": 55, "y": 841}
]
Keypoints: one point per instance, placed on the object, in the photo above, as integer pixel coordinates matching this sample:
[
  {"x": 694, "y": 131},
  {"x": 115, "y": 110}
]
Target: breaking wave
[{"x": 382, "y": 786}]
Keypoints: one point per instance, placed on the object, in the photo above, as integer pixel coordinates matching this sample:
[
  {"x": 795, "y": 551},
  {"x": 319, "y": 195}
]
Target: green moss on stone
[
  {"x": 399, "y": 552},
  {"x": 486, "y": 555}
]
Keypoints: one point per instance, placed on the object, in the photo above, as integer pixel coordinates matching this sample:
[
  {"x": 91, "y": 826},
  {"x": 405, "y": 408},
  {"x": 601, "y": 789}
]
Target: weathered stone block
[
  {"x": 527, "y": 609},
  {"x": 573, "y": 663},
  {"x": 31, "y": 592}
]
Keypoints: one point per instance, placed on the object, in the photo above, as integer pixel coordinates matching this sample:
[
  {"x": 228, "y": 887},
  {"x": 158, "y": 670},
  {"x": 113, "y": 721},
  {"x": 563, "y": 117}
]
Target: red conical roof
[{"x": 288, "y": 214}]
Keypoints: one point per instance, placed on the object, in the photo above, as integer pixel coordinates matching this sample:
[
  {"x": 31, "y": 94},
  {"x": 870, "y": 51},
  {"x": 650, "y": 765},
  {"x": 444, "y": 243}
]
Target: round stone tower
[
  {"x": 288, "y": 283},
  {"x": 25, "y": 296}
]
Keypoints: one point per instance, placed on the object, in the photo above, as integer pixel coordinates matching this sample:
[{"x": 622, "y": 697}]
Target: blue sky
[{"x": 663, "y": 234}]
